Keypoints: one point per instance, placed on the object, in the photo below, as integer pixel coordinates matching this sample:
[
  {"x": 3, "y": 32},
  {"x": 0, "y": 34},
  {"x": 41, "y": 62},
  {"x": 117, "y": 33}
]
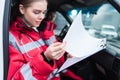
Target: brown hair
[
  {"x": 50, "y": 15},
  {"x": 15, "y": 8},
  {"x": 26, "y": 3}
]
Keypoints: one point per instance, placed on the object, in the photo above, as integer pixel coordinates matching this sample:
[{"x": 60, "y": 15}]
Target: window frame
[{"x": 6, "y": 22}]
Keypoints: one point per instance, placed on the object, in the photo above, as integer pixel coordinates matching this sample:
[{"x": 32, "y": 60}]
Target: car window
[
  {"x": 103, "y": 21},
  {"x": 61, "y": 22}
]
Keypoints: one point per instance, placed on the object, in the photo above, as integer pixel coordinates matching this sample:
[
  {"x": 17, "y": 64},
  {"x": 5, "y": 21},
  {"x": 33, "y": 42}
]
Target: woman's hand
[
  {"x": 69, "y": 55},
  {"x": 55, "y": 51}
]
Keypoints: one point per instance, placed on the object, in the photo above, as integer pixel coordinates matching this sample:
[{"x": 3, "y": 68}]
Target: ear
[{"x": 22, "y": 9}]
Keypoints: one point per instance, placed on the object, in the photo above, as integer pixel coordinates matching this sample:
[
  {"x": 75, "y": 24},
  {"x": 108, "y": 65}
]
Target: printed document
[{"x": 80, "y": 44}]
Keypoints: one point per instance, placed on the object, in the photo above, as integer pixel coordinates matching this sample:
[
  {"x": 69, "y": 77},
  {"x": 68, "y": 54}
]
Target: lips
[{"x": 38, "y": 22}]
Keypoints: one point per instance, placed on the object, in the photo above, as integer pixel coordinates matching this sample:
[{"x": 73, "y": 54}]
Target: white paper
[{"x": 80, "y": 44}]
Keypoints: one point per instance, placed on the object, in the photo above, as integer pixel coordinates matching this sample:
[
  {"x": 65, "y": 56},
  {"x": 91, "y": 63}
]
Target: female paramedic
[{"x": 34, "y": 53}]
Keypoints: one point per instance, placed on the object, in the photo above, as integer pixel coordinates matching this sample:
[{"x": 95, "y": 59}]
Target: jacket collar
[{"x": 19, "y": 25}]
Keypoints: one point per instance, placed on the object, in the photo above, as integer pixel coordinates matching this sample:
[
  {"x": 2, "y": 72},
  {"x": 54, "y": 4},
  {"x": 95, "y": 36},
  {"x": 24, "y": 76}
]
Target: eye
[{"x": 36, "y": 12}]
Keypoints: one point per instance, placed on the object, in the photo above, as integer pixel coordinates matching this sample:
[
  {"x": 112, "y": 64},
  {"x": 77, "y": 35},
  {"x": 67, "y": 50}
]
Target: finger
[
  {"x": 63, "y": 45},
  {"x": 69, "y": 56},
  {"x": 59, "y": 54},
  {"x": 55, "y": 44},
  {"x": 58, "y": 43},
  {"x": 59, "y": 47}
]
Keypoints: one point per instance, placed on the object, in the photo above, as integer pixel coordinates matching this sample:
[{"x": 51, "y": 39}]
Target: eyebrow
[{"x": 39, "y": 10}]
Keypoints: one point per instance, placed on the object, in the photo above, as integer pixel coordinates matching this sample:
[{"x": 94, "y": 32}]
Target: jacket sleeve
[
  {"x": 20, "y": 69},
  {"x": 47, "y": 30},
  {"x": 15, "y": 62}
]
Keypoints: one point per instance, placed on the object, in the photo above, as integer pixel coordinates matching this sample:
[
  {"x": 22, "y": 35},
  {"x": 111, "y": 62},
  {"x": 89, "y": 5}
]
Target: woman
[{"x": 34, "y": 54}]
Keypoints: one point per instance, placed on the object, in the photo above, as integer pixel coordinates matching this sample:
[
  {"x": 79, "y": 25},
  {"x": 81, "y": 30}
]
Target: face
[{"x": 35, "y": 13}]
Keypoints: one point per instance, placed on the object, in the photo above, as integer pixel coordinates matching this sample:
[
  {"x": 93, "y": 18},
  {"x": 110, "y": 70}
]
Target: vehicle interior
[{"x": 96, "y": 14}]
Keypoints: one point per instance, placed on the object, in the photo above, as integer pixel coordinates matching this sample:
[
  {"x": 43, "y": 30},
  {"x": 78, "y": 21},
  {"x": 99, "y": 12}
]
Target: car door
[
  {"x": 1, "y": 37},
  {"x": 4, "y": 23}
]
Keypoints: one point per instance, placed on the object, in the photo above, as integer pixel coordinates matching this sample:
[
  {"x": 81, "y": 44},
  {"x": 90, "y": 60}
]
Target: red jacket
[{"x": 26, "y": 47}]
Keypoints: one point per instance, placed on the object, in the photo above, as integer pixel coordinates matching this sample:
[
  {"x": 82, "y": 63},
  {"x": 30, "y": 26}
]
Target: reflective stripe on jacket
[{"x": 25, "y": 47}]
